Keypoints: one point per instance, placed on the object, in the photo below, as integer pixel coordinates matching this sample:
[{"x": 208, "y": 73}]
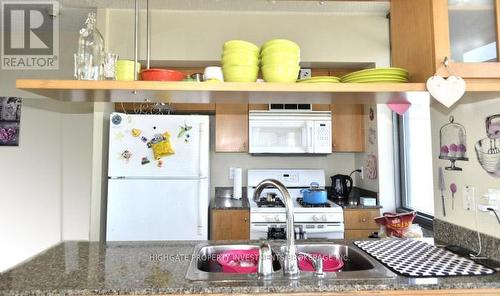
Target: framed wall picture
[{"x": 10, "y": 118}]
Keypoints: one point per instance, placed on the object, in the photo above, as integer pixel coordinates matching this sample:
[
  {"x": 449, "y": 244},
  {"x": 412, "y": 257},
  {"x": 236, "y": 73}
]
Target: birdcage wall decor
[{"x": 453, "y": 143}]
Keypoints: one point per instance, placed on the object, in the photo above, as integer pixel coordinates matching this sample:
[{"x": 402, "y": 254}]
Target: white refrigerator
[{"x": 158, "y": 177}]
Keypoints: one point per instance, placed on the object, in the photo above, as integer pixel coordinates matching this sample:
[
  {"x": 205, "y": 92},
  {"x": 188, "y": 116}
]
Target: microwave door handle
[{"x": 309, "y": 137}]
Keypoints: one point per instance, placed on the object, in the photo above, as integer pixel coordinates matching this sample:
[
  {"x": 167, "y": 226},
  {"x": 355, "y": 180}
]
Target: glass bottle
[{"x": 89, "y": 61}]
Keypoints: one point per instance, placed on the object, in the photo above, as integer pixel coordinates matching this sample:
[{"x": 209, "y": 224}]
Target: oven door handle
[
  {"x": 264, "y": 227},
  {"x": 323, "y": 230}
]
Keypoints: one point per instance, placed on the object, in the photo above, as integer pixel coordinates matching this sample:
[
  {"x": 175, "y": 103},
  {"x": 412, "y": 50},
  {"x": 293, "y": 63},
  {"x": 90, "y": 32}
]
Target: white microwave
[{"x": 284, "y": 132}]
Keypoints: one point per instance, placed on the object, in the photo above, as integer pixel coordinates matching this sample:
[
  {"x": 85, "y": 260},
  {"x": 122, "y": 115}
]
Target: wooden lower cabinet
[
  {"x": 359, "y": 223},
  {"x": 230, "y": 225},
  {"x": 357, "y": 234}
]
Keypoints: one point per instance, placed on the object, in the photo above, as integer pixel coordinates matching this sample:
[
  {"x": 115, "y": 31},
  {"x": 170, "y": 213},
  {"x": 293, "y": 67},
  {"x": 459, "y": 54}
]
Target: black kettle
[{"x": 341, "y": 186}]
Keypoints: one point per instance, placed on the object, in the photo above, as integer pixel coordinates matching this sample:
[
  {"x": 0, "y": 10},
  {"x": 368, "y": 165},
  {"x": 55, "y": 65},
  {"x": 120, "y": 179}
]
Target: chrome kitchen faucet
[{"x": 290, "y": 264}]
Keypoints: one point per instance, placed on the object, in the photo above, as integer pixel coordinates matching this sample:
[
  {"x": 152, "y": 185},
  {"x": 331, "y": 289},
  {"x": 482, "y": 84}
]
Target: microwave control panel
[{"x": 323, "y": 136}]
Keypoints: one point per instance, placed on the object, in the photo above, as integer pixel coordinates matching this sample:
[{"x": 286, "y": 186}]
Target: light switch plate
[{"x": 468, "y": 194}]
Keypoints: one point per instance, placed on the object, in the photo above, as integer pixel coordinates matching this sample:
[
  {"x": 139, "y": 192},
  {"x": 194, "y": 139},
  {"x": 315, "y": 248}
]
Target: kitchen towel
[
  {"x": 416, "y": 258},
  {"x": 237, "y": 183}
]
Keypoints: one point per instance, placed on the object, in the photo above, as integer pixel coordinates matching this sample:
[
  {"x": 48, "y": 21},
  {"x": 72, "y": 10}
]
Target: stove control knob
[
  {"x": 323, "y": 218},
  {"x": 276, "y": 218},
  {"x": 268, "y": 218},
  {"x": 315, "y": 218}
]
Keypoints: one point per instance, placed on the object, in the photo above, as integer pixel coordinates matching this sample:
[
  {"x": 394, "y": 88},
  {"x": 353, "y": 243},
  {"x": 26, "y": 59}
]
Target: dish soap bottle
[{"x": 89, "y": 61}]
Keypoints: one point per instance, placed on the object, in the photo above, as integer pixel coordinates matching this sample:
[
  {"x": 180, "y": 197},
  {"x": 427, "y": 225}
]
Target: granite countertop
[
  {"x": 83, "y": 268},
  {"x": 354, "y": 196},
  {"x": 223, "y": 200}
]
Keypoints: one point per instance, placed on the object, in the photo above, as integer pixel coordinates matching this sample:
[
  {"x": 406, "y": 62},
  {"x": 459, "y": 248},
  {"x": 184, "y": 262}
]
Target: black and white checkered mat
[{"x": 416, "y": 258}]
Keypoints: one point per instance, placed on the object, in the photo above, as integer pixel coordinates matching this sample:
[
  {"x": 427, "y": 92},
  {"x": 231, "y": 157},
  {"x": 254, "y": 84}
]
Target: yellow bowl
[
  {"x": 284, "y": 42},
  {"x": 242, "y": 58},
  {"x": 241, "y": 45},
  {"x": 280, "y": 73},
  {"x": 281, "y": 58},
  {"x": 240, "y": 73}
]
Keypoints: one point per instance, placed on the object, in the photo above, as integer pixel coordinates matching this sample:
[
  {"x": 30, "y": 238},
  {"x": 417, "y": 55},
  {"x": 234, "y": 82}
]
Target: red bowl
[
  {"x": 330, "y": 263},
  {"x": 162, "y": 75}
]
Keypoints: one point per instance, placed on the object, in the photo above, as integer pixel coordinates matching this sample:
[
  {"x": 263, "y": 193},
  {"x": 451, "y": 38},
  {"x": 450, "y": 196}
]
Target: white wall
[
  {"x": 199, "y": 35},
  {"x": 76, "y": 155},
  {"x": 30, "y": 199},
  {"x": 360, "y": 158},
  {"x": 472, "y": 116},
  {"x": 37, "y": 178}
]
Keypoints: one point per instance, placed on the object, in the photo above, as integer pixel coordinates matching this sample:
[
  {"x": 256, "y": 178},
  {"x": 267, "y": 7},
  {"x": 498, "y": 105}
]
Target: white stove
[{"x": 268, "y": 221}]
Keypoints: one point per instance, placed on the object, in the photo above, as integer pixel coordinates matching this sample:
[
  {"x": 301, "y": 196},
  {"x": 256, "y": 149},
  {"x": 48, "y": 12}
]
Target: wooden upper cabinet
[
  {"x": 348, "y": 122},
  {"x": 425, "y": 32},
  {"x": 231, "y": 128}
]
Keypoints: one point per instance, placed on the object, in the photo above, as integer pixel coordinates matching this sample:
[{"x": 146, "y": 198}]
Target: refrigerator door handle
[
  {"x": 201, "y": 151},
  {"x": 200, "y": 209}
]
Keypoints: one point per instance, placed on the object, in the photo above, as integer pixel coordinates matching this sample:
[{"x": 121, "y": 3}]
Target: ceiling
[{"x": 303, "y": 6}]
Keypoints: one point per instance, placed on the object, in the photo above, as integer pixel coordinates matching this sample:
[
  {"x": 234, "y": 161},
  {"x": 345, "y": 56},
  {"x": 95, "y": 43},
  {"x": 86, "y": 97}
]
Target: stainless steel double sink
[{"x": 357, "y": 265}]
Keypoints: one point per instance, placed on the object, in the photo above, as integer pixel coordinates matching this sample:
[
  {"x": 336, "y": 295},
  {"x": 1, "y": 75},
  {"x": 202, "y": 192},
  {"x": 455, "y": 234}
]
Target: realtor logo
[{"x": 30, "y": 35}]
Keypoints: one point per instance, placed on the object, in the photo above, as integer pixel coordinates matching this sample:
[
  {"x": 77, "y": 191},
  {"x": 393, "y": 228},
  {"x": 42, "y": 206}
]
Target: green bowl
[
  {"x": 280, "y": 48},
  {"x": 242, "y": 58},
  {"x": 284, "y": 42},
  {"x": 240, "y": 45},
  {"x": 281, "y": 58},
  {"x": 240, "y": 73},
  {"x": 280, "y": 73}
]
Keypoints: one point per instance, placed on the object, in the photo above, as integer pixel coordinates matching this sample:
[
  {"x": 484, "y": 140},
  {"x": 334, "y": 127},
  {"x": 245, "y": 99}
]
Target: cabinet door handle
[
  {"x": 246, "y": 219},
  {"x": 363, "y": 219}
]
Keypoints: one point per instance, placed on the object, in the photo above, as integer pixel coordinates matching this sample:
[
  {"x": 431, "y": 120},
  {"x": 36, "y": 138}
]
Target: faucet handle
[
  {"x": 265, "y": 267},
  {"x": 317, "y": 263}
]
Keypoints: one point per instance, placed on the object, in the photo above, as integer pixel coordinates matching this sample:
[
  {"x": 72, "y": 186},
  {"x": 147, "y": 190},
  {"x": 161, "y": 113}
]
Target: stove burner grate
[
  {"x": 264, "y": 203},
  {"x": 304, "y": 204}
]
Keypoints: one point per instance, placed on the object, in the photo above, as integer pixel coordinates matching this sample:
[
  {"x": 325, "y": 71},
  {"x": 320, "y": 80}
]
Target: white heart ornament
[{"x": 446, "y": 91}]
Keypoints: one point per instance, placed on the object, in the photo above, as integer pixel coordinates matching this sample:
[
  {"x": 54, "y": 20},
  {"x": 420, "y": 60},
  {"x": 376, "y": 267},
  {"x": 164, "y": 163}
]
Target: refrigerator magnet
[
  {"x": 126, "y": 155},
  {"x": 144, "y": 160},
  {"x": 119, "y": 136},
  {"x": 135, "y": 132},
  {"x": 184, "y": 132},
  {"x": 160, "y": 163},
  {"x": 161, "y": 145},
  {"x": 116, "y": 119}
]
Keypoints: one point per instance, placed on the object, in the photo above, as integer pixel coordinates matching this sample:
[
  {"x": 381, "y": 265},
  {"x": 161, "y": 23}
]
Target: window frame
[{"x": 400, "y": 165}]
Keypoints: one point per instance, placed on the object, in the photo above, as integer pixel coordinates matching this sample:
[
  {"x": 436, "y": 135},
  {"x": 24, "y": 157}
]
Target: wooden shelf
[{"x": 192, "y": 92}]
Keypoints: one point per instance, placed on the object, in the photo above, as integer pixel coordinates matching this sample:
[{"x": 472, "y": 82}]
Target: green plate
[
  {"x": 396, "y": 77},
  {"x": 381, "y": 71},
  {"x": 368, "y": 80},
  {"x": 370, "y": 75},
  {"x": 319, "y": 81}
]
